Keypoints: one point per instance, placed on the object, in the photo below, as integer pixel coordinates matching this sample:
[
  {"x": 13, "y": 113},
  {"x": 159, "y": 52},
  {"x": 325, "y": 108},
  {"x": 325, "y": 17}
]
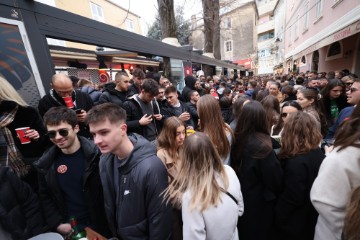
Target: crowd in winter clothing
[{"x": 249, "y": 157}]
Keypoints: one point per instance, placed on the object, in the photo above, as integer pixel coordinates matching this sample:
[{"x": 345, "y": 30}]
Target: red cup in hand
[
  {"x": 68, "y": 102},
  {"x": 21, "y": 132}
]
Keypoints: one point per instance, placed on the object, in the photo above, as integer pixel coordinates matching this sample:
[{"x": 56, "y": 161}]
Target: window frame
[
  {"x": 129, "y": 25},
  {"x": 306, "y": 16},
  {"x": 296, "y": 27},
  {"x": 95, "y": 14},
  {"x": 336, "y": 56},
  {"x": 319, "y": 5},
  {"x": 226, "y": 46}
]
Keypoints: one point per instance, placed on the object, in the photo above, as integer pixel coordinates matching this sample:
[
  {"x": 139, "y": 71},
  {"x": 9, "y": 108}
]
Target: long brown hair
[
  {"x": 348, "y": 134},
  {"x": 299, "y": 135},
  {"x": 251, "y": 132},
  {"x": 167, "y": 137},
  {"x": 311, "y": 93},
  {"x": 201, "y": 164},
  {"x": 272, "y": 108},
  {"x": 352, "y": 218},
  {"x": 213, "y": 124}
]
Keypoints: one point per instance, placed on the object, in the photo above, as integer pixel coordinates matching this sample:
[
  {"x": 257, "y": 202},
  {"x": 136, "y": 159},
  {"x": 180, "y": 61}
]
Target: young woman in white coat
[
  {"x": 209, "y": 192},
  {"x": 338, "y": 177}
]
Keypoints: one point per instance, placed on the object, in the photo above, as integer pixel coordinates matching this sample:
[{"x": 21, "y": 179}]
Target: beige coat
[{"x": 172, "y": 165}]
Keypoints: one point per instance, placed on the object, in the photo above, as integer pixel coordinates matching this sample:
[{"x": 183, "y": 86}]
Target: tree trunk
[
  {"x": 168, "y": 28},
  {"x": 208, "y": 25},
  {"x": 212, "y": 27},
  {"x": 167, "y": 18},
  {"x": 216, "y": 39}
]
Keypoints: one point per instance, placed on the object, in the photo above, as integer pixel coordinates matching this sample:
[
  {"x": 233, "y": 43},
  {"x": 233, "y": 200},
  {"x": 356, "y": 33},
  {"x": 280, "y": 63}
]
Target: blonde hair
[
  {"x": 210, "y": 116},
  {"x": 201, "y": 164},
  {"x": 8, "y": 93}
]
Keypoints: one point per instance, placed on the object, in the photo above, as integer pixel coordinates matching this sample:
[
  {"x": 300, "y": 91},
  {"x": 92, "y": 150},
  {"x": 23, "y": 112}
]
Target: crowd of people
[{"x": 253, "y": 158}]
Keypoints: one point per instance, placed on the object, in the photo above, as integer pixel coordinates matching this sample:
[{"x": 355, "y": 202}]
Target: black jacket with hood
[
  {"x": 190, "y": 85},
  {"x": 134, "y": 113},
  {"x": 168, "y": 111},
  {"x": 51, "y": 196},
  {"x": 112, "y": 95},
  {"x": 20, "y": 211},
  {"x": 139, "y": 212}
]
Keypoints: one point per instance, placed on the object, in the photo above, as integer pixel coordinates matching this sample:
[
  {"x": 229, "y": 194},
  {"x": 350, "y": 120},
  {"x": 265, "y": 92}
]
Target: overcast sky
[{"x": 147, "y": 9}]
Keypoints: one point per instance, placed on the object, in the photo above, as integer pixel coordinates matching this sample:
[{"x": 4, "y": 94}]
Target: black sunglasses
[
  {"x": 353, "y": 90},
  {"x": 349, "y": 83},
  {"x": 63, "y": 132}
]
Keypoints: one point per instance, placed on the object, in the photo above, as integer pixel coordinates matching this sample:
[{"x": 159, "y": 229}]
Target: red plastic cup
[
  {"x": 68, "y": 102},
  {"x": 21, "y": 134}
]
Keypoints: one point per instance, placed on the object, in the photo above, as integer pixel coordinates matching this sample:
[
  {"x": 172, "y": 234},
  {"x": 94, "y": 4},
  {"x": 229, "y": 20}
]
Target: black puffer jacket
[
  {"x": 140, "y": 212},
  {"x": 51, "y": 197},
  {"x": 168, "y": 111},
  {"x": 193, "y": 112},
  {"x": 134, "y": 113},
  {"x": 93, "y": 93},
  {"x": 83, "y": 101},
  {"x": 20, "y": 211},
  {"x": 114, "y": 96}
]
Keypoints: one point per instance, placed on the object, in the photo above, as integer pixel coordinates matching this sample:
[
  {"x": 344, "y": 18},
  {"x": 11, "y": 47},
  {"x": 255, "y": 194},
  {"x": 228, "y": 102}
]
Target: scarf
[{"x": 13, "y": 153}]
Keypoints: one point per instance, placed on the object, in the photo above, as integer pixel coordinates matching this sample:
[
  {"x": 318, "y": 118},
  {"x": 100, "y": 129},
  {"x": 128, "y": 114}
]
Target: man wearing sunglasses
[
  {"x": 69, "y": 181},
  {"x": 132, "y": 176},
  {"x": 353, "y": 98},
  {"x": 62, "y": 87}
]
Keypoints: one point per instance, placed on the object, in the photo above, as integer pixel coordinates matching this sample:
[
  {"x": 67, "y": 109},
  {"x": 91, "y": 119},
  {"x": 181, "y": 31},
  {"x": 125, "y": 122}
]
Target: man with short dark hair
[
  {"x": 194, "y": 98},
  {"x": 313, "y": 82},
  {"x": 138, "y": 76},
  {"x": 174, "y": 107},
  {"x": 133, "y": 178},
  {"x": 119, "y": 92},
  {"x": 69, "y": 181},
  {"x": 251, "y": 88},
  {"x": 143, "y": 111}
]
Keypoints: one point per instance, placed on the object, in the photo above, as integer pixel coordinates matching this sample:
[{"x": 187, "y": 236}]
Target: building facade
[
  {"x": 266, "y": 37},
  {"x": 237, "y": 32},
  {"x": 101, "y": 10},
  {"x": 322, "y": 35}
]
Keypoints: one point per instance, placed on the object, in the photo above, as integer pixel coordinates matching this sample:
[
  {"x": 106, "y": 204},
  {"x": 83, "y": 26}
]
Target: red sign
[
  {"x": 247, "y": 63},
  {"x": 103, "y": 76}
]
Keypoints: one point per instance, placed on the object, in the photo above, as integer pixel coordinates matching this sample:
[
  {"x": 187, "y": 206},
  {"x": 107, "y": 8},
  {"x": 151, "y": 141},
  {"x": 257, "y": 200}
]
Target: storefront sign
[{"x": 339, "y": 35}]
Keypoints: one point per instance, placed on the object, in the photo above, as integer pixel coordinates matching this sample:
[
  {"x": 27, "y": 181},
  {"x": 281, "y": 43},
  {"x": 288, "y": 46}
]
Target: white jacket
[
  {"x": 339, "y": 174},
  {"x": 215, "y": 222}
]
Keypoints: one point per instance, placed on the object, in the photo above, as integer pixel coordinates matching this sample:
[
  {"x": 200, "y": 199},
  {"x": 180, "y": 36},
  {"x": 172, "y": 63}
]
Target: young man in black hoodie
[
  {"x": 132, "y": 176},
  {"x": 190, "y": 85},
  {"x": 119, "y": 92}
]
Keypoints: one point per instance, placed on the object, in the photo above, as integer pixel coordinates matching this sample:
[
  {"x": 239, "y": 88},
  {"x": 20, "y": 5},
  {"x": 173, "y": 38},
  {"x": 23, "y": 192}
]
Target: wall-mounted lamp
[
  {"x": 101, "y": 61},
  {"x": 77, "y": 64}
]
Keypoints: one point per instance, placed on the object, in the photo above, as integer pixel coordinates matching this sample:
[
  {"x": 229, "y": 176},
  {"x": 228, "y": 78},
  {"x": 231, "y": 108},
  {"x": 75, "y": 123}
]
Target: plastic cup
[
  {"x": 21, "y": 134},
  {"x": 68, "y": 102}
]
